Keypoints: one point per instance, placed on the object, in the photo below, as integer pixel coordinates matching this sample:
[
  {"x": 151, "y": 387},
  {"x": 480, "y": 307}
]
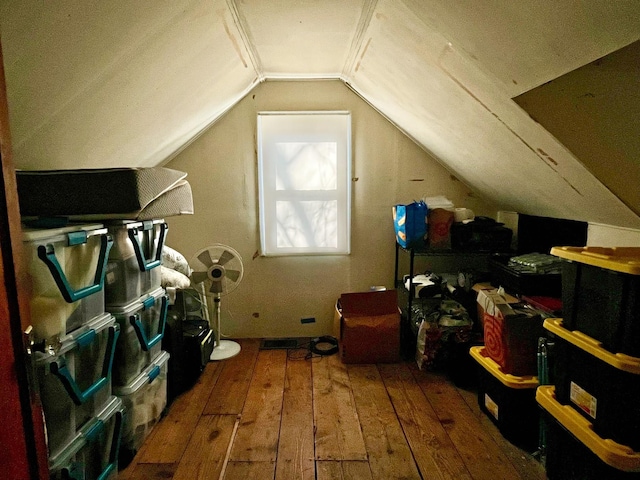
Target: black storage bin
[
  {"x": 509, "y": 401},
  {"x": 603, "y": 387},
  {"x": 540, "y": 284},
  {"x": 601, "y": 295},
  {"x": 481, "y": 235},
  {"x": 574, "y": 452}
]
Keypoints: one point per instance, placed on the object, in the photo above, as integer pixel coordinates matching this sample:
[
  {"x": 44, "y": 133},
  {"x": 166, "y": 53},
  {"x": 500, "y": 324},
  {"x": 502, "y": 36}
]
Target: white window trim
[{"x": 267, "y": 202}]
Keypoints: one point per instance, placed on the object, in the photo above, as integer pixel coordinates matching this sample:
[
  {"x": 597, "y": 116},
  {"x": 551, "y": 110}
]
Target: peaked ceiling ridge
[
  {"x": 247, "y": 39},
  {"x": 358, "y": 37}
]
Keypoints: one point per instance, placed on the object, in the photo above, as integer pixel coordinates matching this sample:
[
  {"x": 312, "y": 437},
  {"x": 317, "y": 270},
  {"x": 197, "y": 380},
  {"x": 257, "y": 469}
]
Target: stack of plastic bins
[
  {"x": 601, "y": 386},
  {"x": 575, "y": 451},
  {"x": 75, "y": 382},
  {"x": 135, "y": 297},
  {"x": 74, "y": 339},
  {"x": 144, "y": 399},
  {"x": 93, "y": 452},
  {"x": 508, "y": 400},
  {"x": 597, "y": 348}
]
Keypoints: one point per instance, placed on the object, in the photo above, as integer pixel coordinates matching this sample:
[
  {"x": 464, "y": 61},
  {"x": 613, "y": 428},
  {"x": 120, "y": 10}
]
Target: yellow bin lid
[
  {"x": 623, "y": 362},
  {"x": 612, "y": 453},
  {"x": 511, "y": 381},
  {"x": 619, "y": 259}
]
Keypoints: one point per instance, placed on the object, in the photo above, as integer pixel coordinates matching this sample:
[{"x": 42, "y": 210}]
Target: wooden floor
[{"x": 271, "y": 414}]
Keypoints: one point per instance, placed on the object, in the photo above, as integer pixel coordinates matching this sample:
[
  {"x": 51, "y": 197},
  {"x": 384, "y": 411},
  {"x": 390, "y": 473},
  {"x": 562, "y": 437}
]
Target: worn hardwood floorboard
[
  {"x": 178, "y": 425},
  {"x": 389, "y": 454},
  {"x": 262, "y": 415},
  {"x": 338, "y": 431},
  {"x": 205, "y": 455},
  {"x": 230, "y": 392},
  {"x": 482, "y": 456},
  {"x": 343, "y": 470},
  {"x": 259, "y": 429},
  {"x": 295, "y": 446},
  {"x": 433, "y": 450},
  {"x": 524, "y": 462},
  {"x": 250, "y": 471}
]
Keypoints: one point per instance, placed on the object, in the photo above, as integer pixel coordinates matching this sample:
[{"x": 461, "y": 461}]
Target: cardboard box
[
  {"x": 368, "y": 327},
  {"x": 510, "y": 333},
  {"x": 485, "y": 292}
]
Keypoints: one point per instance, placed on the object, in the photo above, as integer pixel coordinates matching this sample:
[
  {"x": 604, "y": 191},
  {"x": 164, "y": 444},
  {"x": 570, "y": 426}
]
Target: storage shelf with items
[{"x": 424, "y": 259}]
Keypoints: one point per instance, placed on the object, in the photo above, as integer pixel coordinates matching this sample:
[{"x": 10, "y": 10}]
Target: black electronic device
[{"x": 189, "y": 341}]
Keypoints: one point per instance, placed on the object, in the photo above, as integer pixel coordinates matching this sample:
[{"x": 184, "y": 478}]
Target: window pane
[
  {"x": 307, "y": 224},
  {"x": 306, "y": 166}
]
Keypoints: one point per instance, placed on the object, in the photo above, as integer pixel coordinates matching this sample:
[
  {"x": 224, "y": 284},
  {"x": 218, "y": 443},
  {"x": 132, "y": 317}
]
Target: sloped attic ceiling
[{"x": 118, "y": 83}]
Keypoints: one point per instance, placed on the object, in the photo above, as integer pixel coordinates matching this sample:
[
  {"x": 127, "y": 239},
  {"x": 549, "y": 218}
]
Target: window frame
[{"x": 268, "y": 195}]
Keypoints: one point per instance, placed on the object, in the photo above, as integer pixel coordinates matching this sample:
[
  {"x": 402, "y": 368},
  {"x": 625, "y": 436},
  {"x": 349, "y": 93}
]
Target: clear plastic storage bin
[
  {"x": 144, "y": 399},
  {"x": 67, "y": 270},
  {"x": 134, "y": 260},
  {"x": 93, "y": 453},
  {"x": 142, "y": 324},
  {"x": 75, "y": 379}
]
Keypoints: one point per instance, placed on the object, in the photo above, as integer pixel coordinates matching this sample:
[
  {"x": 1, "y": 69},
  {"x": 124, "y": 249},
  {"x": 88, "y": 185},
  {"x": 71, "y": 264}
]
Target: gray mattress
[{"x": 94, "y": 194}]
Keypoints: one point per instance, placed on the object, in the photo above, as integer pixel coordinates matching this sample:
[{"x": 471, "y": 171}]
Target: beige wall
[{"x": 276, "y": 293}]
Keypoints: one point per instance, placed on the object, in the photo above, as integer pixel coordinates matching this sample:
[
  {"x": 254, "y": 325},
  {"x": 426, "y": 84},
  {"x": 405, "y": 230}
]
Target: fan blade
[
  {"x": 199, "y": 277},
  {"x": 205, "y": 258},
  {"x": 233, "y": 275},
  {"x": 225, "y": 257},
  {"x": 216, "y": 287}
]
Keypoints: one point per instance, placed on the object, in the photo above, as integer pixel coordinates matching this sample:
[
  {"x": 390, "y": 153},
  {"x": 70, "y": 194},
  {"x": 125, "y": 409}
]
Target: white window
[{"x": 304, "y": 174}]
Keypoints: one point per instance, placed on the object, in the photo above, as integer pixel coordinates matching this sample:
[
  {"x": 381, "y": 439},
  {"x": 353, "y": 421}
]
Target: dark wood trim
[{"x": 22, "y": 431}]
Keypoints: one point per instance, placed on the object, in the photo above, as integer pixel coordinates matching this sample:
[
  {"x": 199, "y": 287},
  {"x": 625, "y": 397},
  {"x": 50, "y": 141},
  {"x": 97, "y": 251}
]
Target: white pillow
[
  {"x": 173, "y": 259},
  {"x": 173, "y": 278}
]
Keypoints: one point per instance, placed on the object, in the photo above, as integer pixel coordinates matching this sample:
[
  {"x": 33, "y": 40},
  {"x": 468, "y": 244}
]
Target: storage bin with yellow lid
[
  {"x": 601, "y": 295},
  {"x": 508, "y": 400}
]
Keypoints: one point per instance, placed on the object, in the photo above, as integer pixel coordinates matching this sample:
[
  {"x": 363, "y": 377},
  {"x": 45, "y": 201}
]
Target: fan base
[{"x": 225, "y": 349}]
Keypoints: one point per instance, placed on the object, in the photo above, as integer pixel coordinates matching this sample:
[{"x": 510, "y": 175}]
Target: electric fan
[{"x": 217, "y": 270}]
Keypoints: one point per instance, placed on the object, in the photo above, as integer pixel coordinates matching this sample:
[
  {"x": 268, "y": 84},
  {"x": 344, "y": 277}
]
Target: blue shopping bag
[{"x": 410, "y": 223}]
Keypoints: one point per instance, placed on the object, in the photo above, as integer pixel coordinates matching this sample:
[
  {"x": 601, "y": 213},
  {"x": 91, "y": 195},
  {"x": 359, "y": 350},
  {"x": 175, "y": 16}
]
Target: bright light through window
[{"x": 304, "y": 180}]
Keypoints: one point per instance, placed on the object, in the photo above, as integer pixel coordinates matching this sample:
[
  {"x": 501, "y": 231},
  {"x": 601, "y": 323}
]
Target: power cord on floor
[{"x": 315, "y": 348}]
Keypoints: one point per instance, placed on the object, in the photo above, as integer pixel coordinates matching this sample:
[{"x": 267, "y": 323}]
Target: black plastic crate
[
  {"x": 514, "y": 281},
  {"x": 602, "y": 386},
  {"x": 574, "y": 452},
  {"x": 601, "y": 295},
  {"x": 509, "y": 401}
]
